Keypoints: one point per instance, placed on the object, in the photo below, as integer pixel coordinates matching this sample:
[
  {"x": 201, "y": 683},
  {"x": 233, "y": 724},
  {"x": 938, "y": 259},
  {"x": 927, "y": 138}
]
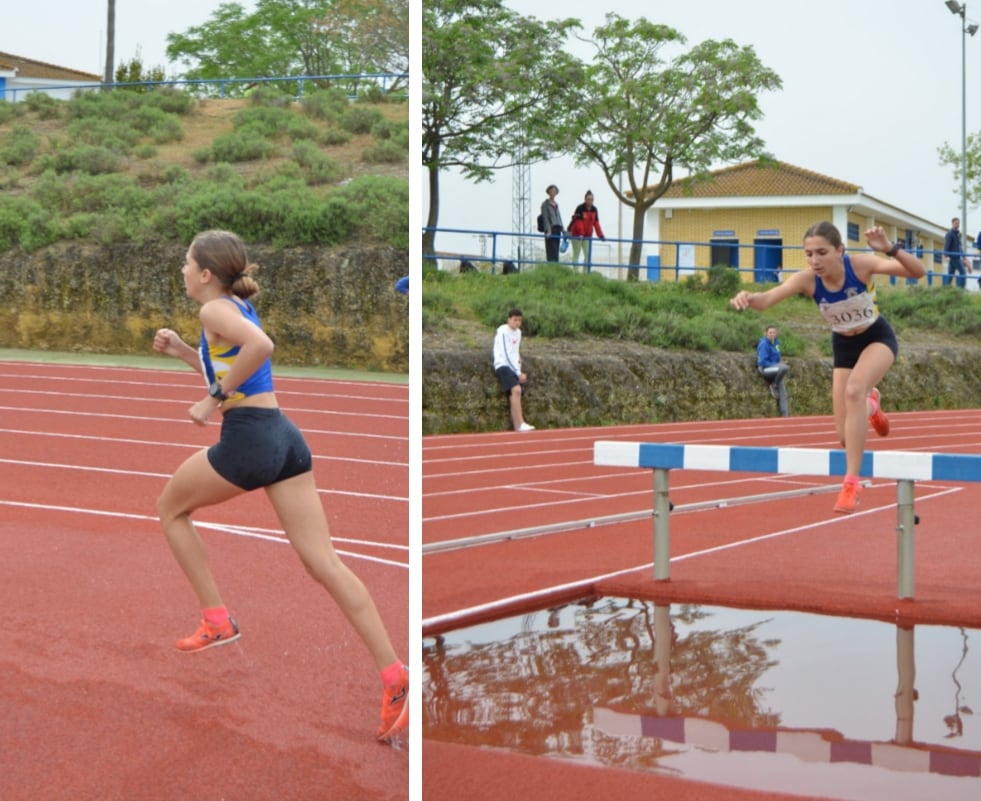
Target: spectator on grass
[
  {"x": 507, "y": 367},
  {"x": 552, "y": 221},
  {"x": 258, "y": 447},
  {"x": 585, "y": 221},
  {"x": 772, "y": 367}
]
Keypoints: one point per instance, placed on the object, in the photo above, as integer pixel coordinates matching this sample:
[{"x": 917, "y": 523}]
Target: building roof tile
[
  {"x": 752, "y": 179},
  {"x": 29, "y": 68}
]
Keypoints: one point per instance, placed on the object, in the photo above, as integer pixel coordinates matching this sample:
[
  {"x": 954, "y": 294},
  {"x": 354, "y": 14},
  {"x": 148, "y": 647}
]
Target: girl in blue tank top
[
  {"x": 863, "y": 342},
  {"x": 258, "y": 447}
]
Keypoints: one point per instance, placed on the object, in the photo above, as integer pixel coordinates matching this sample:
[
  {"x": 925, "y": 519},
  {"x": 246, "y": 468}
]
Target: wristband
[
  {"x": 895, "y": 249},
  {"x": 215, "y": 392}
]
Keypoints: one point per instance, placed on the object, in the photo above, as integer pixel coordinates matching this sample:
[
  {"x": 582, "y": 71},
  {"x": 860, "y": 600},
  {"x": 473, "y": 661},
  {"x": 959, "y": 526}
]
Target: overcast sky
[
  {"x": 871, "y": 89},
  {"x": 72, "y": 33}
]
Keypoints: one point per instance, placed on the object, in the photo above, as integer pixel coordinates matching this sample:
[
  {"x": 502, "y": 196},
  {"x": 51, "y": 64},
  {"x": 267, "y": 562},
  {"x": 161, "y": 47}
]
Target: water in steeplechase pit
[{"x": 766, "y": 700}]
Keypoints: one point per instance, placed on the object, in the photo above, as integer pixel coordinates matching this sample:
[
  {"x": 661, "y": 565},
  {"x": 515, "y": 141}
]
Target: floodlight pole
[{"x": 960, "y": 9}]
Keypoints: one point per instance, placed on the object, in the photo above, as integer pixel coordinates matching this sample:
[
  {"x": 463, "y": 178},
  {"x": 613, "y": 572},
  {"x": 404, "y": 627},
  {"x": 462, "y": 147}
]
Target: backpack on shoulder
[{"x": 541, "y": 223}]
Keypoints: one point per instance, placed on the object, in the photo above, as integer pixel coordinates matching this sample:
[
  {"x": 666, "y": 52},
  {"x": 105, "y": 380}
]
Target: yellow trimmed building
[{"x": 753, "y": 218}]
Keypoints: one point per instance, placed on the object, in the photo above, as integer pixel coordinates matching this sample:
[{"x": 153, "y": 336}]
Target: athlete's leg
[
  {"x": 195, "y": 484},
  {"x": 852, "y": 409},
  {"x": 301, "y": 513}
]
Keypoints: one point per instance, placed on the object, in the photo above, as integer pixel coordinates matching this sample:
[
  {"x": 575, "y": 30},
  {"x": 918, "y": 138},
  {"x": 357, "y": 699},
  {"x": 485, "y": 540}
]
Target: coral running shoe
[
  {"x": 207, "y": 636},
  {"x": 878, "y": 420},
  {"x": 395, "y": 707},
  {"x": 848, "y": 498}
]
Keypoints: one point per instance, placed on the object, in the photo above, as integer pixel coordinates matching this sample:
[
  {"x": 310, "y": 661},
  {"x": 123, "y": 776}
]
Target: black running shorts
[
  {"x": 259, "y": 447},
  {"x": 847, "y": 349}
]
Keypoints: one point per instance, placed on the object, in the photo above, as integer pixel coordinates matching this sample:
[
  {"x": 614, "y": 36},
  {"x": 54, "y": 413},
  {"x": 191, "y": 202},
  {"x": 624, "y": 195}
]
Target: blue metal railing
[
  {"x": 383, "y": 78},
  {"x": 524, "y": 244}
]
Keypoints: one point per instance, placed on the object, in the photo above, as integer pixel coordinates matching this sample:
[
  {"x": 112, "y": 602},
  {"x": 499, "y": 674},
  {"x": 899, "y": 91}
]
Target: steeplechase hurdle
[{"x": 903, "y": 467}]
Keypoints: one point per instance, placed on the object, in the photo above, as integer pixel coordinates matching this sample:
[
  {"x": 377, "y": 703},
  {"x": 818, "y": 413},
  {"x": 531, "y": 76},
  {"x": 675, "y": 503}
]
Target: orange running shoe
[
  {"x": 878, "y": 420},
  {"x": 395, "y": 707},
  {"x": 848, "y": 498},
  {"x": 207, "y": 636}
]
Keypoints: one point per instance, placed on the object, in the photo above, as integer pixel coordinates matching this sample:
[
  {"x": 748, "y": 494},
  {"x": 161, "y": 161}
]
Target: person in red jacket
[{"x": 585, "y": 220}]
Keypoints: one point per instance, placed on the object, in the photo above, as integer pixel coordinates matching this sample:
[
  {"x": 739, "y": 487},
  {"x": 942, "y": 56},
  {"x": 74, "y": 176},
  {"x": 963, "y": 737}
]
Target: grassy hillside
[
  {"x": 606, "y": 352},
  {"x": 693, "y": 314},
  {"x": 127, "y": 166}
]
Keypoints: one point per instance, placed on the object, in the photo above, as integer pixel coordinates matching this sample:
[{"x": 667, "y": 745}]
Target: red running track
[
  {"x": 95, "y": 701},
  {"x": 791, "y": 553}
]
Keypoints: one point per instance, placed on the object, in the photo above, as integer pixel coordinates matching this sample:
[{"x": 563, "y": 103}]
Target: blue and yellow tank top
[
  {"x": 218, "y": 361},
  {"x": 852, "y": 307}
]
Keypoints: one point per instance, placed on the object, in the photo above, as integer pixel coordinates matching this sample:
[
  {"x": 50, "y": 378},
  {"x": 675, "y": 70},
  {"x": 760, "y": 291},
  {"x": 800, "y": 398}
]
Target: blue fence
[
  {"x": 221, "y": 85},
  {"x": 510, "y": 251}
]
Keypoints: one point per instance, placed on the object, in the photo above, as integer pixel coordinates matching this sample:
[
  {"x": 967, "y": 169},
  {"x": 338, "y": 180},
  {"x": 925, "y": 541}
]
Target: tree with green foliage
[
  {"x": 972, "y": 152},
  {"x": 294, "y": 37},
  {"x": 134, "y": 71},
  {"x": 490, "y": 77},
  {"x": 638, "y": 114}
]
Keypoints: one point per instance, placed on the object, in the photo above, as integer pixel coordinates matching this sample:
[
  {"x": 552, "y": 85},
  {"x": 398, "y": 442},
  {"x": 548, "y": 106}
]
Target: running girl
[
  {"x": 863, "y": 343},
  {"x": 258, "y": 447}
]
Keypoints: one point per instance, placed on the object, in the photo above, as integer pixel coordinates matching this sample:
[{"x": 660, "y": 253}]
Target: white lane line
[{"x": 270, "y": 535}]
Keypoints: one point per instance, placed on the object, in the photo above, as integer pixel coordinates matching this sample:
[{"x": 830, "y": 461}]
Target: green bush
[
  {"x": 269, "y": 122},
  {"x": 173, "y": 101},
  {"x": 9, "y": 111},
  {"x": 107, "y": 133},
  {"x": 335, "y": 136},
  {"x": 45, "y": 106},
  {"x": 380, "y": 206},
  {"x": 318, "y": 168},
  {"x": 386, "y": 152},
  {"x": 24, "y": 224},
  {"x": 361, "y": 120},
  {"x": 268, "y": 94},
  {"x": 100, "y": 105},
  {"x": 240, "y": 146},
  {"x": 91, "y": 159},
  {"x": 92, "y": 193},
  {"x": 146, "y": 151},
  {"x": 325, "y": 104},
  {"x": 20, "y": 147}
]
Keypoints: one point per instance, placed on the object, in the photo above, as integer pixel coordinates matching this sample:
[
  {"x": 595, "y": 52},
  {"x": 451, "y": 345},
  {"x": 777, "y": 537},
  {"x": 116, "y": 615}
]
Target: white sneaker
[{"x": 526, "y": 427}]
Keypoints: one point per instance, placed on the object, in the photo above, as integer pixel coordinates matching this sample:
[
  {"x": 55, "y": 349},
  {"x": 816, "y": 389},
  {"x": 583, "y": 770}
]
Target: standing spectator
[
  {"x": 507, "y": 367},
  {"x": 585, "y": 220},
  {"x": 553, "y": 224},
  {"x": 977, "y": 261},
  {"x": 772, "y": 367},
  {"x": 954, "y": 252}
]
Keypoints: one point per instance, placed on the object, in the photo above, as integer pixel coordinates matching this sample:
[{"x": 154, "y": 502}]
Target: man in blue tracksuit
[
  {"x": 955, "y": 254},
  {"x": 769, "y": 363}
]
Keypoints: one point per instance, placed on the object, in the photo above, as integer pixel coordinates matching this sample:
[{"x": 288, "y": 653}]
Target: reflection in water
[
  {"x": 955, "y": 722},
  {"x": 711, "y": 694}
]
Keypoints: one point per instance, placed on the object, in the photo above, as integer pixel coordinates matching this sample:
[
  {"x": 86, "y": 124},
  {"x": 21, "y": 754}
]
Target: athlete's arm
[{"x": 169, "y": 343}]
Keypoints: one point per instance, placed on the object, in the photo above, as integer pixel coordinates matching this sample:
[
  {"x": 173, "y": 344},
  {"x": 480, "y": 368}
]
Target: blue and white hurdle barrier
[{"x": 904, "y": 467}]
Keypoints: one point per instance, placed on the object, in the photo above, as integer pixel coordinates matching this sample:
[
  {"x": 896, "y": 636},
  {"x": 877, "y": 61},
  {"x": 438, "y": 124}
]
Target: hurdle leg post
[
  {"x": 905, "y": 531},
  {"x": 906, "y": 691},
  {"x": 662, "y": 526}
]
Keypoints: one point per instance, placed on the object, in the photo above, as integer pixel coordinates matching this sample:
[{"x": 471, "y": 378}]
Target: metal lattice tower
[{"x": 522, "y": 220}]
